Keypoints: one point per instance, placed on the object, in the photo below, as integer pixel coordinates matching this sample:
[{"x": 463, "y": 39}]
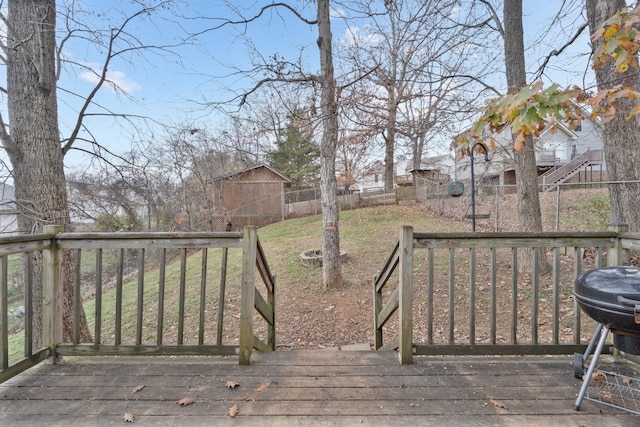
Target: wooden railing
[
  {"x": 549, "y": 179},
  {"x": 17, "y": 256},
  {"x": 472, "y": 299},
  {"x": 133, "y": 277}
]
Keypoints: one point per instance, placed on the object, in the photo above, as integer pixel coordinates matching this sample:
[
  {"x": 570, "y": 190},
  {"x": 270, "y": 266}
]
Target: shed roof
[{"x": 253, "y": 168}]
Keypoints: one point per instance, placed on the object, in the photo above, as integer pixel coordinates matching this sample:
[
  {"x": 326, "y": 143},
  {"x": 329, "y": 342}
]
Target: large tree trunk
[
  {"x": 390, "y": 83},
  {"x": 529, "y": 214},
  {"x": 390, "y": 140},
  {"x": 621, "y": 136},
  {"x": 331, "y": 267},
  {"x": 34, "y": 143}
]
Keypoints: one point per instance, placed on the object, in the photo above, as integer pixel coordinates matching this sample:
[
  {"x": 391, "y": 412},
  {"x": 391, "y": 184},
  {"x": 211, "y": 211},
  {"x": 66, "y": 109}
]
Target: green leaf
[{"x": 531, "y": 117}]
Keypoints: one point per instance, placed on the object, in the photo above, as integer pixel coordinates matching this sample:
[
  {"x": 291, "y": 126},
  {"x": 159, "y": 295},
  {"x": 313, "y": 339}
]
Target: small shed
[{"x": 253, "y": 196}]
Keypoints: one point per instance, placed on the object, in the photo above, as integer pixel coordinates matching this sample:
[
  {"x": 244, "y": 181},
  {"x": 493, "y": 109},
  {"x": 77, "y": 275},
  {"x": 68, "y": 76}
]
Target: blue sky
[{"x": 164, "y": 85}]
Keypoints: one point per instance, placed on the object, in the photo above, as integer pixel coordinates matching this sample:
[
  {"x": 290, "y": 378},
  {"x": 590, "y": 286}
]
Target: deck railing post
[
  {"x": 247, "y": 303},
  {"x": 52, "y": 294},
  {"x": 615, "y": 255},
  {"x": 405, "y": 297}
]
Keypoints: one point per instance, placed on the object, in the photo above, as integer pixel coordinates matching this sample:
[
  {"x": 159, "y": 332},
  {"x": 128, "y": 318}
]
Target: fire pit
[{"x": 313, "y": 257}]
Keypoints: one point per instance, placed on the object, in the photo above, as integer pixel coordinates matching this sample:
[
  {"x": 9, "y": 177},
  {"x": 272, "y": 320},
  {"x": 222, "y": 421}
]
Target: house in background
[
  {"x": 372, "y": 179},
  {"x": 8, "y": 212},
  {"x": 562, "y": 155},
  {"x": 253, "y": 196},
  {"x": 432, "y": 173}
]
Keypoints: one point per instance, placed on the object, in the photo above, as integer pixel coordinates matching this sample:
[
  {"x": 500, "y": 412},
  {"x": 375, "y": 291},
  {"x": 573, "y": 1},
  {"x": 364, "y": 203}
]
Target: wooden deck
[{"x": 323, "y": 387}]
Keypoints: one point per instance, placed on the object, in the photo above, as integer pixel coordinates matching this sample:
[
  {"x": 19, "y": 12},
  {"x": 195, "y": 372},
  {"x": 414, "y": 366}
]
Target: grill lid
[{"x": 608, "y": 284}]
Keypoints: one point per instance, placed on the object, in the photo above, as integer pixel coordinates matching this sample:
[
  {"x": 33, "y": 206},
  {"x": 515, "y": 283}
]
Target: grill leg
[
  {"x": 592, "y": 366},
  {"x": 592, "y": 342},
  {"x": 579, "y": 359}
]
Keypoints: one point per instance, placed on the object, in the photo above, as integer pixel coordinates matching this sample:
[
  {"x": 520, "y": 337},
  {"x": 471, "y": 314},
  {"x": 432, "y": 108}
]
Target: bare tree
[
  {"x": 529, "y": 214},
  {"x": 331, "y": 265},
  {"x": 415, "y": 62},
  {"x": 31, "y": 136},
  {"x": 355, "y": 142},
  {"x": 621, "y": 138},
  {"x": 279, "y": 70},
  {"x": 33, "y": 142}
]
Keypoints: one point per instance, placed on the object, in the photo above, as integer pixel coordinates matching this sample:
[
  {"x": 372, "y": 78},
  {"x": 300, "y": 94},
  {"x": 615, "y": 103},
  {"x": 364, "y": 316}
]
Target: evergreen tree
[{"x": 296, "y": 156}]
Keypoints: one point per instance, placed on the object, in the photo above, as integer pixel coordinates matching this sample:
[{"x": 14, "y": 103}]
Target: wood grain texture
[{"x": 323, "y": 387}]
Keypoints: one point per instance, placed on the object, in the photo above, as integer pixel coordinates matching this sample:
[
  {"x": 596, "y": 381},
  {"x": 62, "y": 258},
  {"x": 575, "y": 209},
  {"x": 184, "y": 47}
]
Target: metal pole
[
  {"x": 558, "y": 207},
  {"x": 473, "y": 186}
]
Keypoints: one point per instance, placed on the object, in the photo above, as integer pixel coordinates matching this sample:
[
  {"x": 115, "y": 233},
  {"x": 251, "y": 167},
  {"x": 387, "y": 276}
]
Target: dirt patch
[{"x": 312, "y": 317}]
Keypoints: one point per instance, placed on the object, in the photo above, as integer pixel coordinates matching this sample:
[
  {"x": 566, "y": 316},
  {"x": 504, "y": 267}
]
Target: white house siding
[{"x": 8, "y": 213}]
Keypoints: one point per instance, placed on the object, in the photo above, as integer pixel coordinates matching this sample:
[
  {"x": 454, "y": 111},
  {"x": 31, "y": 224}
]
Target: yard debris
[
  {"x": 231, "y": 384},
  {"x": 186, "y": 401},
  {"x": 263, "y": 386},
  {"x": 128, "y": 417},
  {"x": 233, "y": 411},
  {"x": 499, "y": 404},
  {"x": 137, "y": 388}
]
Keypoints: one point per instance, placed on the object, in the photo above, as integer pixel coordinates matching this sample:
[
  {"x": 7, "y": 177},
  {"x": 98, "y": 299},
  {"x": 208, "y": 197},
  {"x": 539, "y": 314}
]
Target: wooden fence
[
  {"x": 456, "y": 293},
  {"x": 471, "y": 298},
  {"x": 132, "y": 274}
]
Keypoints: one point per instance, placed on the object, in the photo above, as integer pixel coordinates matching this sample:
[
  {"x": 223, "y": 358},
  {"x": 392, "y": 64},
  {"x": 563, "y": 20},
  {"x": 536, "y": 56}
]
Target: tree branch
[
  {"x": 243, "y": 98},
  {"x": 494, "y": 16},
  {"x": 540, "y": 71},
  {"x": 102, "y": 75},
  {"x": 258, "y": 15}
]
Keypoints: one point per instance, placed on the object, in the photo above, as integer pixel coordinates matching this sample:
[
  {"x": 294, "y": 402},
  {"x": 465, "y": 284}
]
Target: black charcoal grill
[{"x": 610, "y": 296}]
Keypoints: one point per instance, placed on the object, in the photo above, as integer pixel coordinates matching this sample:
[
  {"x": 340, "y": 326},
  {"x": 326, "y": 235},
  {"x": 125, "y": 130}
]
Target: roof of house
[{"x": 244, "y": 171}]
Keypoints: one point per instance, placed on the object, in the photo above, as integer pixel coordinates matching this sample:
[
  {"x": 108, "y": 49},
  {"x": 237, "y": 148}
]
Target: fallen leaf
[
  {"x": 598, "y": 376},
  {"x": 138, "y": 388},
  {"x": 264, "y": 386},
  {"x": 128, "y": 417},
  {"x": 233, "y": 411},
  {"x": 231, "y": 384},
  {"x": 499, "y": 404},
  {"x": 185, "y": 401}
]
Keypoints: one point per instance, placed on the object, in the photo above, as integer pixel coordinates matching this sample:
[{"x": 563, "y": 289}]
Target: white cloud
[
  {"x": 116, "y": 81},
  {"x": 337, "y": 13},
  {"x": 360, "y": 36}
]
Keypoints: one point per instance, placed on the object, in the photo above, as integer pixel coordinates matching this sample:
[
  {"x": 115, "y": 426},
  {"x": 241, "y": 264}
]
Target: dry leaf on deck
[
  {"x": 137, "y": 389},
  {"x": 264, "y": 386},
  {"x": 499, "y": 404},
  {"x": 231, "y": 384},
  {"x": 128, "y": 417},
  {"x": 185, "y": 401},
  {"x": 233, "y": 411},
  {"x": 598, "y": 376}
]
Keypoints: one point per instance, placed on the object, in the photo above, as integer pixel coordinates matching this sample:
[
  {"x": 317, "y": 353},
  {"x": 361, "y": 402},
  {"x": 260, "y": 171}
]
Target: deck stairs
[{"x": 557, "y": 175}]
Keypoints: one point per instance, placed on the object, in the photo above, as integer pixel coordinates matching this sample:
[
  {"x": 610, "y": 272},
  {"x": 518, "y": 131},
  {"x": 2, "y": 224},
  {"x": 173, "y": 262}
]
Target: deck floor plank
[{"x": 323, "y": 387}]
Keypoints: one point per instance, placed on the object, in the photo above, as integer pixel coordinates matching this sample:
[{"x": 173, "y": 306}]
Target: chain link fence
[{"x": 568, "y": 206}]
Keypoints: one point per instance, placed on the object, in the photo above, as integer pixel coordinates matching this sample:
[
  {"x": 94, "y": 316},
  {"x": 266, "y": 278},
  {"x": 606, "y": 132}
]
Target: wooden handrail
[
  {"x": 548, "y": 294},
  {"x": 553, "y": 176}
]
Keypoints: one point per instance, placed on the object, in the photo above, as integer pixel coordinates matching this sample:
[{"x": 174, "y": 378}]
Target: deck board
[{"x": 324, "y": 387}]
